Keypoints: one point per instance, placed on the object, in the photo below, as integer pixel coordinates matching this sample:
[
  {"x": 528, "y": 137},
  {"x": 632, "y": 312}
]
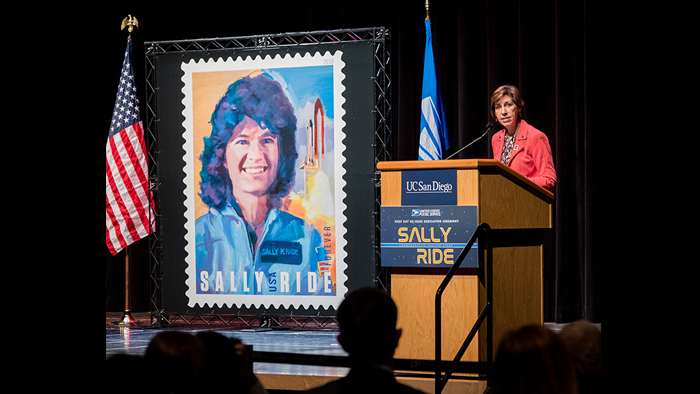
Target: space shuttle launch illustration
[{"x": 315, "y": 140}]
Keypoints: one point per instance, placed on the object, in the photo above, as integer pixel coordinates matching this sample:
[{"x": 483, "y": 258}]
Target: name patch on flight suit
[{"x": 284, "y": 252}]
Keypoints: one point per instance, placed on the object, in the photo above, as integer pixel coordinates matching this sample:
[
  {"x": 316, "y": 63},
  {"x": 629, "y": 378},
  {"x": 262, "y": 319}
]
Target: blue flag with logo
[{"x": 433, "y": 126}]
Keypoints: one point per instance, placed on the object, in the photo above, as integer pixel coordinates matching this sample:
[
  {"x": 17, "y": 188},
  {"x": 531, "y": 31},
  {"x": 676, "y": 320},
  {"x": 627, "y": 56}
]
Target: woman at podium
[{"x": 519, "y": 145}]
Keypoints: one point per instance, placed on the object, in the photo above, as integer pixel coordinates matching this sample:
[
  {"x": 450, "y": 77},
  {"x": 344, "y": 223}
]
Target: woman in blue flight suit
[{"x": 245, "y": 244}]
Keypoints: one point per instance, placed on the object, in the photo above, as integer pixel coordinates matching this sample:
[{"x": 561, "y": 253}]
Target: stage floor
[{"x": 134, "y": 341}]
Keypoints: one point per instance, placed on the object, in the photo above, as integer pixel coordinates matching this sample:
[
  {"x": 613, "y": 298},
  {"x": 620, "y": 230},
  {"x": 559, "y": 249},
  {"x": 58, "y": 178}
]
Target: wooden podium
[{"x": 503, "y": 199}]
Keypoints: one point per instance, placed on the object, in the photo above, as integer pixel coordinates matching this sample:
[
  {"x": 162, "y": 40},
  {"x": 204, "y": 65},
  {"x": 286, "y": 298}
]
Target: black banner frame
[{"x": 377, "y": 37}]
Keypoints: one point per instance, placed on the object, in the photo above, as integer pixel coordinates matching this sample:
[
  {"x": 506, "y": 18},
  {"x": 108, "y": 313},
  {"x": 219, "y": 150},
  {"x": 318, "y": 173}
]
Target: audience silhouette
[
  {"x": 582, "y": 341},
  {"x": 179, "y": 362},
  {"x": 532, "y": 359},
  {"x": 368, "y": 333},
  {"x": 226, "y": 366},
  {"x": 172, "y": 360}
]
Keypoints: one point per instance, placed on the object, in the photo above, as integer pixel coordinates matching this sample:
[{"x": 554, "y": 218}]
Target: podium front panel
[{"x": 504, "y": 200}]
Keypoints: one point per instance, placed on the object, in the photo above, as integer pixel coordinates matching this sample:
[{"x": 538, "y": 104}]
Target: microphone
[{"x": 488, "y": 127}]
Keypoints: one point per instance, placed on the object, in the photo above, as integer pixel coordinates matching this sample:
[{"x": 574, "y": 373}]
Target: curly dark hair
[{"x": 263, "y": 100}]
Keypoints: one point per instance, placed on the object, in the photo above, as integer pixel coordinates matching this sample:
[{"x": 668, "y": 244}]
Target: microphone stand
[{"x": 488, "y": 127}]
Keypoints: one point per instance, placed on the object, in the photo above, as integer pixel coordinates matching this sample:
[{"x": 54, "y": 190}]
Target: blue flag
[{"x": 433, "y": 126}]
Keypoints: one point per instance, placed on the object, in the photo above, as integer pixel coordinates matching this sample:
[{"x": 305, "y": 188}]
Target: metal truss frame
[{"x": 380, "y": 38}]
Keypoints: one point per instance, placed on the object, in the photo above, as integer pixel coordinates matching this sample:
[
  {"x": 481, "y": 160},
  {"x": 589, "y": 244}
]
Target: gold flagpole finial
[
  {"x": 130, "y": 22},
  {"x": 427, "y": 9}
]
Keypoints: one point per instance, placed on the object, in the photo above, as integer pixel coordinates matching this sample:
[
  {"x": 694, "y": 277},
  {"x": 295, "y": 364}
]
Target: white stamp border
[{"x": 267, "y": 62}]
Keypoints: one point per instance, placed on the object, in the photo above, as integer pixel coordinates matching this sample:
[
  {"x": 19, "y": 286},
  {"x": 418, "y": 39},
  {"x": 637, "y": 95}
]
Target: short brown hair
[{"x": 514, "y": 94}]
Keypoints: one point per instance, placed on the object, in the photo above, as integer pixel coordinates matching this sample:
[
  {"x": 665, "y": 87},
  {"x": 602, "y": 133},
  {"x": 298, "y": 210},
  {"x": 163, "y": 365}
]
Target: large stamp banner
[{"x": 264, "y": 177}]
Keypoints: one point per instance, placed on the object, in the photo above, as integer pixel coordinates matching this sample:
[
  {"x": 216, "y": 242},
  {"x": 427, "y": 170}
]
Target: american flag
[{"x": 129, "y": 216}]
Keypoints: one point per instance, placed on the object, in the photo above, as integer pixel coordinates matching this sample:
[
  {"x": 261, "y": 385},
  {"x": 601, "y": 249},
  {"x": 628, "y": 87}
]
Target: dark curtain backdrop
[{"x": 549, "y": 49}]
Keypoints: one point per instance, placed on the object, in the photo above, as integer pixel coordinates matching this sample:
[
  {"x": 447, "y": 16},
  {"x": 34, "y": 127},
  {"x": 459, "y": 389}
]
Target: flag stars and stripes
[
  {"x": 126, "y": 110},
  {"x": 129, "y": 215}
]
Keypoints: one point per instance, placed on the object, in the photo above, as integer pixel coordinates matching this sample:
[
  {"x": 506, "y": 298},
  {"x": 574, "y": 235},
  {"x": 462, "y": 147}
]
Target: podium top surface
[{"x": 483, "y": 165}]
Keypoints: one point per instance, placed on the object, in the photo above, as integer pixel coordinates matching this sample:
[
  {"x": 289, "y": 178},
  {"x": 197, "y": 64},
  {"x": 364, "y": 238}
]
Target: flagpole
[
  {"x": 127, "y": 320},
  {"x": 427, "y": 9}
]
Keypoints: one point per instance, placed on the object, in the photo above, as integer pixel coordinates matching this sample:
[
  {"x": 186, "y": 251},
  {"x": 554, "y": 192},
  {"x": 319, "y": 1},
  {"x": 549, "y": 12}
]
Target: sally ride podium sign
[{"x": 429, "y": 229}]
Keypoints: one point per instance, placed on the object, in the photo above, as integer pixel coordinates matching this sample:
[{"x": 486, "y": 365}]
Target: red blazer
[{"x": 531, "y": 155}]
